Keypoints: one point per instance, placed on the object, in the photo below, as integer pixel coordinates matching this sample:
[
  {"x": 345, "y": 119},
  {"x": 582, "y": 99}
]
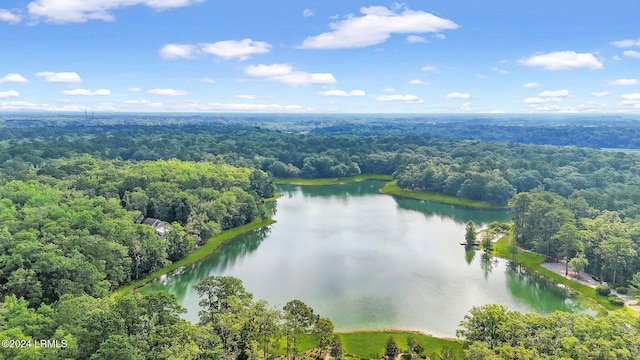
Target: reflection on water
[
  {"x": 371, "y": 261},
  {"x": 487, "y": 263}
]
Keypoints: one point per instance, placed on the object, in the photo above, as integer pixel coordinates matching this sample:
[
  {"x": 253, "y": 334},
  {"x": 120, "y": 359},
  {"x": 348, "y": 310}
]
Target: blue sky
[{"x": 324, "y": 56}]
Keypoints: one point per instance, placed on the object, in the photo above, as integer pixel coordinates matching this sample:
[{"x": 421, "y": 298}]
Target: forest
[{"x": 73, "y": 199}]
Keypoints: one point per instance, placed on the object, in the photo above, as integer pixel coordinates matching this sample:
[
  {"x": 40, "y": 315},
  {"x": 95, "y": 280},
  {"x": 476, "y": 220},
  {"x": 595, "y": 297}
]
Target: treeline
[
  {"x": 232, "y": 326},
  {"x": 73, "y": 226},
  {"x": 582, "y": 230},
  {"x": 488, "y": 171},
  {"x": 495, "y": 333}
]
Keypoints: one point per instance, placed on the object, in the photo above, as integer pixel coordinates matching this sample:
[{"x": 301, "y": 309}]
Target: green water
[{"x": 371, "y": 261}]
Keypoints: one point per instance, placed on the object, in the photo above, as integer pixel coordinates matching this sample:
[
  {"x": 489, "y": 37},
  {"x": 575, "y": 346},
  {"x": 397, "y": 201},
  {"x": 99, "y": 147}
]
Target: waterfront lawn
[
  {"x": 534, "y": 261},
  {"x": 334, "y": 181},
  {"x": 198, "y": 254},
  {"x": 370, "y": 344},
  {"x": 392, "y": 188}
]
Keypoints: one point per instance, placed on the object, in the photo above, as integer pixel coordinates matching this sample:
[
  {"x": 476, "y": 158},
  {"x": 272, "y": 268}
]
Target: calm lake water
[{"x": 371, "y": 261}]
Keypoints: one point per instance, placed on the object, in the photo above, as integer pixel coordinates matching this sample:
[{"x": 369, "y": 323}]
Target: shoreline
[
  {"x": 195, "y": 256},
  {"x": 332, "y": 181},
  {"x": 392, "y": 188},
  {"x": 536, "y": 263}
]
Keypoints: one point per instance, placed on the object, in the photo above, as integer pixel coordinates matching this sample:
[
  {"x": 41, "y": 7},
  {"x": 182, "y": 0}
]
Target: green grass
[
  {"x": 534, "y": 261},
  {"x": 392, "y": 188},
  {"x": 196, "y": 255},
  {"x": 370, "y": 344},
  {"x": 334, "y": 181}
]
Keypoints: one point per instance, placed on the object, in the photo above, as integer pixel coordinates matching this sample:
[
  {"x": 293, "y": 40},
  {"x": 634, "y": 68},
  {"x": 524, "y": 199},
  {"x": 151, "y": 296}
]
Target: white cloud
[
  {"x": 535, "y": 100},
  {"x": 409, "y": 99},
  {"x": 631, "y": 100},
  {"x": 143, "y": 101},
  {"x": 376, "y": 25},
  {"x": 135, "y": 89},
  {"x": 9, "y": 94},
  {"x": 531, "y": 85},
  {"x": 60, "y": 77},
  {"x": 342, "y": 93},
  {"x": 457, "y": 95},
  {"x": 599, "y": 94},
  {"x": 234, "y": 49},
  {"x": 414, "y": 39},
  {"x": 208, "y": 80},
  {"x": 500, "y": 71},
  {"x": 76, "y": 11},
  {"x": 418, "y": 82},
  {"x": 13, "y": 78},
  {"x": 554, "y": 94},
  {"x": 430, "y": 68},
  {"x": 389, "y": 90},
  {"x": 563, "y": 60},
  {"x": 548, "y": 96},
  {"x": 481, "y": 76},
  {"x": 616, "y": 58},
  {"x": 9, "y": 17},
  {"x": 632, "y": 54},
  {"x": 624, "y": 82},
  {"x": 235, "y": 107},
  {"x": 626, "y": 43},
  {"x": 308, "y": 12},
  {"x": 245, "y": 97},
  {"x": 285, "y": 73},
  {"x": 85, "y": 92},
  {"x": 466, "y": 107},
  {"x": 176, "y": 51},
  {"x": 439, "y": 36},
  {"x": 497, "y": 111},
  {"x": 167, "y": 92}
]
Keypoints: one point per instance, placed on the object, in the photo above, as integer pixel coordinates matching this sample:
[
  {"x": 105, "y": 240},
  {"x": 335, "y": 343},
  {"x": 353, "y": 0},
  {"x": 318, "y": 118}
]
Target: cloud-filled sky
[{"x": 454, "y": 56}]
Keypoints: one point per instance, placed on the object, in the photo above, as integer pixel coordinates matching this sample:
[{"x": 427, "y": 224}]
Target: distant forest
[{"x": 73, "y": 194}]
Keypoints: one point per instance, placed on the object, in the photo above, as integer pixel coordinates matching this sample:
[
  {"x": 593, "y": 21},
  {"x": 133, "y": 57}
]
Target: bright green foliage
[
  {"x": 622, "y": 290},
  {"x": 578, "y": 263},
  {"x": 603, "y": 290},
  {"x": 80, "y": 232},
  {"x": 615, "y": 300},
  {"x": 570, "y": 242},
  {"x": 470, "y": 234},
  {"x": 487, "y": 240},
  {"x": 324, "y": 328},
  {"x": 131, "y": 327},
  {"x": 634, "y": 286},
  {"x": 496, "y": 333},
  {"x": 298, "y": 318}
]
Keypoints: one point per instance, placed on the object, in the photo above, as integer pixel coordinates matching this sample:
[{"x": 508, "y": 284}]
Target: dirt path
[{"x": 585, "y": 279}]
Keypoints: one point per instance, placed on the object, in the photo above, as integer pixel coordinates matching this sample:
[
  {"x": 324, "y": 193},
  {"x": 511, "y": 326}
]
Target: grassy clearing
[
  {"x": 370, "y": 344},
  {"x": 196, "y": 255},
  {"x": 392, "y": 188},
  {"x": 334, "y": 181},
  {"x": 534, "y": 261}
]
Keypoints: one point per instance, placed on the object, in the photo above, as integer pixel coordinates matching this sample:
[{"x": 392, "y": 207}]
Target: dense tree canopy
[
  {"x": 497, "y": 333},
  {"x": 73, "y": 197}
]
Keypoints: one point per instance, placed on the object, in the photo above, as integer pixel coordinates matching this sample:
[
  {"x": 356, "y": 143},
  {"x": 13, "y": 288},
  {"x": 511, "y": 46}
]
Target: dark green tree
[
  {"x": 391, "y": 349},
  {"x": 470, "y": 234}
]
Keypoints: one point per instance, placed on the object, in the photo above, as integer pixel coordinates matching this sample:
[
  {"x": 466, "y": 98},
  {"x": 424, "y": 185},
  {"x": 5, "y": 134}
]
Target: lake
[{"x": 372, "y": 261}]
